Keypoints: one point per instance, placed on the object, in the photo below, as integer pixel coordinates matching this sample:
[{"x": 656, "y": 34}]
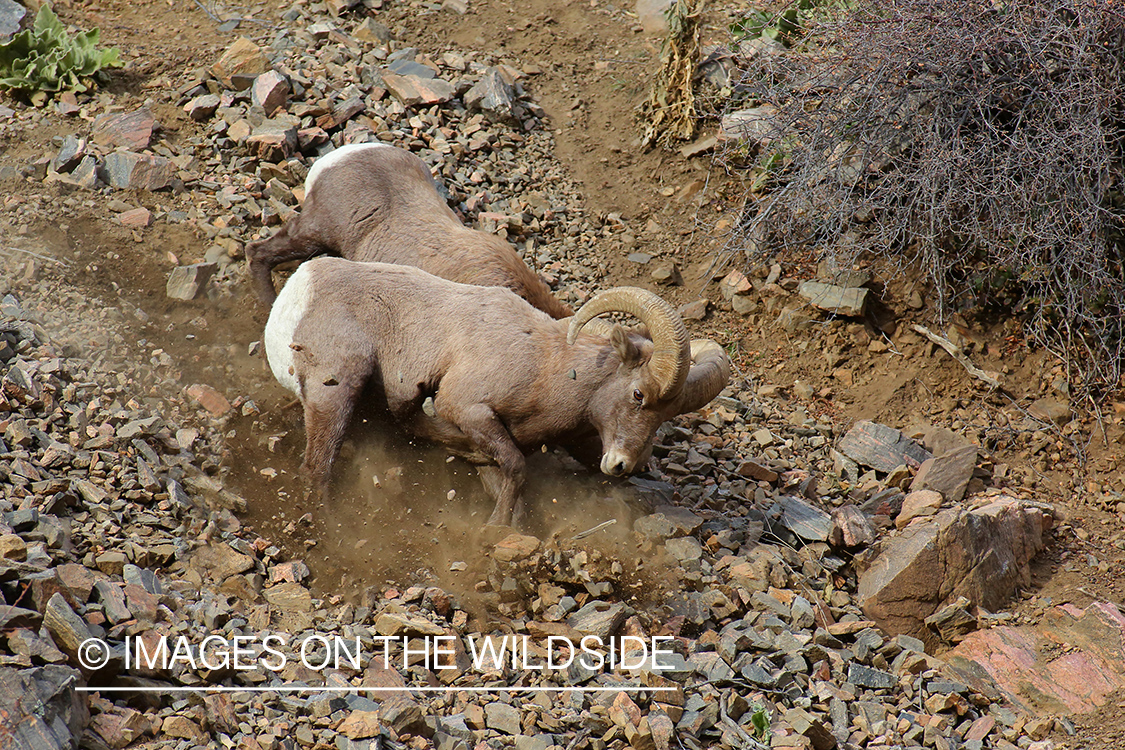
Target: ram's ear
[{"x": 628, "y": 352}]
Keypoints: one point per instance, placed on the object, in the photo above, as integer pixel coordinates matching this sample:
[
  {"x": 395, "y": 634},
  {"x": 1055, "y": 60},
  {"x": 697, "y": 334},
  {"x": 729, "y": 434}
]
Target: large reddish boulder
[
  {"x": 1071, "y": 662},
  {"x": 981, "y": 553}
]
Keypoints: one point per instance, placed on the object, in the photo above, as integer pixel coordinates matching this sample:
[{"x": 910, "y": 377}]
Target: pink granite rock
[{"x": 1072, "y": 662}]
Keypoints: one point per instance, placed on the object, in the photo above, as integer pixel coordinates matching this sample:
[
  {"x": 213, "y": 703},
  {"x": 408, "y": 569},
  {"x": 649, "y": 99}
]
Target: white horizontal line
[{"x": 305, "y": 689}]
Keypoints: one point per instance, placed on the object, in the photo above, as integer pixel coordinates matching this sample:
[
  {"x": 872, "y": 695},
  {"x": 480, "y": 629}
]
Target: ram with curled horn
[{"x": 481, "y": 371}]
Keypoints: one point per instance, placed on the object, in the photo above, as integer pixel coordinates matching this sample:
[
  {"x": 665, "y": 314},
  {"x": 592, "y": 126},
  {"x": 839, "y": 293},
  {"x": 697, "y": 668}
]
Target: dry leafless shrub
[
  {"x": 981, "y": 141},
  {"x": 668, "y": 113}
]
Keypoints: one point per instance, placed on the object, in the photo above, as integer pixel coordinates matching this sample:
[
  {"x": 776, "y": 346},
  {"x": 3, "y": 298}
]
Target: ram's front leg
[
  {"x": 505, "y": 480},
  {"x": 328, "y": 411}
]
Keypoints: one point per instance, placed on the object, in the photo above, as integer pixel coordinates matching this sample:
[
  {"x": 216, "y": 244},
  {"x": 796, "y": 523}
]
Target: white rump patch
[
  {"x": 334, "y": 158},
  {"x": 285, "y": 315}
]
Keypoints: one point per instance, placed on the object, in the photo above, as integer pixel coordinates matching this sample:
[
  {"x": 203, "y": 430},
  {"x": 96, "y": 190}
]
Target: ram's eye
[{"x": 638, "y": 396}]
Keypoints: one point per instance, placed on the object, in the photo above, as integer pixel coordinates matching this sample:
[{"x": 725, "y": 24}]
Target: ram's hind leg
[{"x": 328, "y": 411}]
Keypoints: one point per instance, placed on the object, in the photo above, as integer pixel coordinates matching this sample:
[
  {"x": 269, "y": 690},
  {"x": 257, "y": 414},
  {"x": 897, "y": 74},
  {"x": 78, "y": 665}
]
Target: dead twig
[
  {"x": 36, "y": 255},
  {"x": 958, "y": 355},
  {"x": 595, "y": 530}
]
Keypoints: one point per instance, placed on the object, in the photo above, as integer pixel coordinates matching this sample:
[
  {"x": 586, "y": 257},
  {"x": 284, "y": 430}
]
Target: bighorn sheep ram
[
  {"x": 374, "y": 202},
  {"x": 480, "y": 370}
]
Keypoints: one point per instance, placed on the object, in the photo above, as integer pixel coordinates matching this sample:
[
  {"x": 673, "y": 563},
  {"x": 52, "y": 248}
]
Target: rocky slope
[{"x": 121, "y": 520}]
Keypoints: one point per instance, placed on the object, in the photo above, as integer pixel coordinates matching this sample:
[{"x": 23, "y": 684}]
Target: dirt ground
[{"x": 590, "y": 69}]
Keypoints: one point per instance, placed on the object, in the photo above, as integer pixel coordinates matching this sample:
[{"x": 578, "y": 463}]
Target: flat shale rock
[
  {"x": 66, "y": 627},
  {"x": 869, "y": 677},
  {"x": 126, "y": 170},
  {"x": 130, "y": 130},
  {"x": 515, "y": 547},
  {"x": 415, "y": 91},
  {"x": 243, "y": 60},
  {"x": 209, "y": 398},
  {"x": 361, "y": 724},
  {"x": 50, "y": 713},
  {"x": 502, "y": 717},
  {"x": 396, "y": 626},
  {"x": 757, "y": 125},
  {"x": 880, "y": 447},
  {"x": 948, "y": 474},
  {"x": 838, "y": 300},
  {"x": 803, "y": 519},
  {"x": 289, "y": 597},
  {"x": 918, "y": 504},
  {"x": 694, "y": 310},
  {"x": 219, "y": 561},
  {"x": 188, "y": 282},
  {"x": 183, "y": 728},
  {"x": 599, "y": 618},
  {"x": 1051, "y": 411},
  {"x": 18, "y": 617}
]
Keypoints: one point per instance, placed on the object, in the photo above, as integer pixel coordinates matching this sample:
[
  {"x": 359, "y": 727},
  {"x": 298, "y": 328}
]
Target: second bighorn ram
[
  {"x": 480, "y": 370},
  {"x": 374, "y": 202}
]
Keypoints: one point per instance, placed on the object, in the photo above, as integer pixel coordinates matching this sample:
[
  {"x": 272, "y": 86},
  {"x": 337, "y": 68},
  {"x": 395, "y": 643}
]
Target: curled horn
[
  {"x": 671, "y": 354},
  {"x": 709, "y": 374}
]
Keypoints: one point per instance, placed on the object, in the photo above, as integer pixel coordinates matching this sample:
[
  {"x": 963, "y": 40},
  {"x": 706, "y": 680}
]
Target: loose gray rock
[
  {"x": 493, "y": 96},
  {"x": 11, "y": 17},
  {"x": 880, "y": 447},
  {"x": 869, "y": 677},
  {"x": 50, "y": 714},
  {"x": 805, "y": 520},
  {"x": 667, "y": 522},
  {"x": 838, "y": 300},
  {"x": 948, "y": 474},
  {"x": 756, "y": 125},
  {"x": 270, "y": 91},
  {"x": 188, "y": 282},
  {"x": 598, "y": 618},
  {"x": 202, "y": 107},
  {"x": 71, "y": 154},
  {"x": 131, "y": 171},
  {"x": 684, "y": 549},
  {"x": 372, "y": 32}
]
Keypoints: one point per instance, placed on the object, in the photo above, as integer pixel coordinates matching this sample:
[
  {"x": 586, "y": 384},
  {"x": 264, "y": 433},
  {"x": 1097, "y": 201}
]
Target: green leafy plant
[
  {"x": 777, "y": 26},
  {"x": 46, "y": 58},
  {"x": 760, "y": 720}
]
